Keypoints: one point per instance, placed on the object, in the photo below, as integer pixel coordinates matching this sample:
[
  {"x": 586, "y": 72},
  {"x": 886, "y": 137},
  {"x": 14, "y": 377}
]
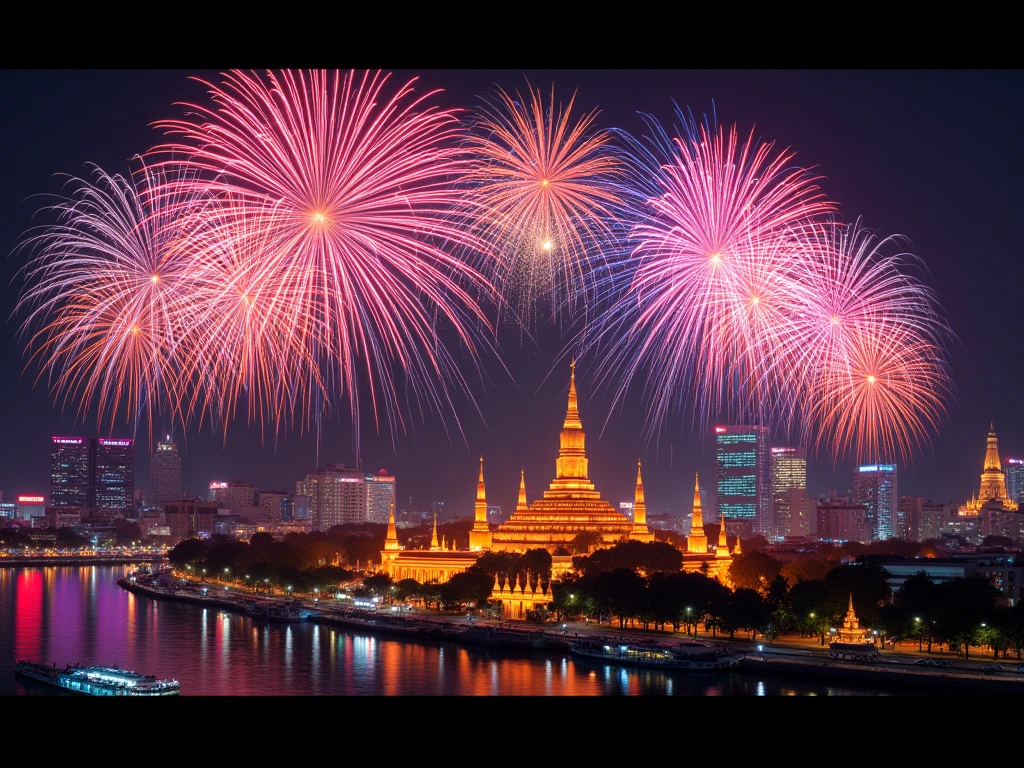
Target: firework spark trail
[
  {"x": 357, "y": 189},
  {"x": 542, "y": 193},
  {"x": 104, "y": 298}
]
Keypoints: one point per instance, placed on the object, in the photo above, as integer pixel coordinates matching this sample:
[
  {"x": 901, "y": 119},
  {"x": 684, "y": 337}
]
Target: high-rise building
[
  {"x": 240, "y": 493},
  {"x": 190, "y": 518},
  {"x": 276, "y": 506},
  {"x": 218, "y": 493},
  {"x": 908, "y": 518},
  {"x": 337, "y": 496},
  {"x": 626, "y": 508},
  {"x": 789, "y": 472},
  {"x": 114, "y": 479},
  {"x": 744, "y": 497},
  {"x": 842, "y": 521},
  {"x": 874, "y": 485},
  {"x": 380, "y": 497},
  {"x": 1014, "y": 470},
  {"x": 302, "y": 508},
  {"x": 165, "y": 474},
  {"x": 71, "y": 472}
]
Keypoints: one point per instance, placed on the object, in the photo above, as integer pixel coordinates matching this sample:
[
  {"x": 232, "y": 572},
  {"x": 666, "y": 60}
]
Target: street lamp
[{"x": 316, "y": 595}]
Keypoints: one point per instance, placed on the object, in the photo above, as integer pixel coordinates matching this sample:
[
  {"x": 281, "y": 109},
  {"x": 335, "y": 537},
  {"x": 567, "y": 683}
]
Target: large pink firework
[
  {"x": 106, "y": 300},
  {"x": 355, "y": 190},
  {"x": 707, "y": 302},
  {"x": 544, "y": 188}
]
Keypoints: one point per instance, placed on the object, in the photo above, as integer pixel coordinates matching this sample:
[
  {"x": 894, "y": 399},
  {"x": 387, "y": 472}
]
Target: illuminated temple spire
[
  {"x": 434, "y": 546},
  {"x": 391, "y": 541},
  {"x": 640, "y": 531},
  {"x": 480, "y": 535},
  {"x": 522, "y": 506},
  {"x": 571, "y": 465},
  {"x": 697, "y": 542},
  {"x": 723, "y": 540},
  {"x": 993, "y": 479}
]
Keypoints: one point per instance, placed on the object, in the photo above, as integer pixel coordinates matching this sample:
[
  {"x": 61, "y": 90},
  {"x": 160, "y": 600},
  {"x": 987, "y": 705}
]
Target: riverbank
[
  {"x": 35, "y": 562},
  {"x": 897, "y": 670}
]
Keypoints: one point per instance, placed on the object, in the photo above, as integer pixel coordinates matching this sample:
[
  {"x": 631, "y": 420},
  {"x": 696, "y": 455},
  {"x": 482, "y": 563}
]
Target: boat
[
  {"x": 501, "y": 637},
  {"x": 689, "y": 656},
  {"x": 278, "y": 612},
  {"x": 97, "y": 681}
]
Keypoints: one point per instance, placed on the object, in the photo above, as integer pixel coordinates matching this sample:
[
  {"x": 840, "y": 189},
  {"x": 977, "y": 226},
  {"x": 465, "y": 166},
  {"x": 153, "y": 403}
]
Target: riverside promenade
[{"x": 784, "y": 657}]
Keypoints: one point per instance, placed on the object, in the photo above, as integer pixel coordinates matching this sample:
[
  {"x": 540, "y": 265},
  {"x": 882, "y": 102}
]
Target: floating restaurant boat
[
  {"x": 97, "y": 681},
  {"x": 688, "y": 656}
]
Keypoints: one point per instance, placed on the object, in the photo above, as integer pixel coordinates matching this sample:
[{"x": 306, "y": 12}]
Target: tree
[
  {"x": 997, "y": 541},
  {"x": 537, "y": 562},
  {"x": 811, "y": 569},
  {"x": 189, "y": 551},
  {"x": 584, "y": 541},
  {"x": 378, "y": 584},
  {"x": 754, "y": 570}
]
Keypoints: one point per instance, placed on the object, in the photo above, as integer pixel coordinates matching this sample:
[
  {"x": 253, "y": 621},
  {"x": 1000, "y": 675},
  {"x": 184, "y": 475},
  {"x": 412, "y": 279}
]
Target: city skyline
[{"x": 887, "y": 183}]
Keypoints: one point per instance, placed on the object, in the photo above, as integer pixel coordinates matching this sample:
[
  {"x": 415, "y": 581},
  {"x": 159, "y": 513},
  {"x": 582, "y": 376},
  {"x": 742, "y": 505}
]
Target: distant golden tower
[
  {"x": 434, "y": 546},
  {"x": 722, "y": 551},
  {"x": 993, "y": 479},
  {"x": 697, "y": 542},
  {"x": 480, "y": 535},
  {"x": 640, "y": 530},
  {"x": 391, "y": 540},
  {"x": 522, "y": 506}
]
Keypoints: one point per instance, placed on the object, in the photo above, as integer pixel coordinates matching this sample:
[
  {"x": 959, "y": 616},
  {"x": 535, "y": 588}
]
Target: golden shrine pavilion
[
  {"x": 993, "y": 481},
  {"x": 571, "y": 505},
  {"x": 851, "y": 631}
]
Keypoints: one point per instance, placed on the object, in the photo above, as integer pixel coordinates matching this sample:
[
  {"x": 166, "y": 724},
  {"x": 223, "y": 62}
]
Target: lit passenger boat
[
  {"x": 689, "y": 656},
  {"x": 97, "y": 681}
]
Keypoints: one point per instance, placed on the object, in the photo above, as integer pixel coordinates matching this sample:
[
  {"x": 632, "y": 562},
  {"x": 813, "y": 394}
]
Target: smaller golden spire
[
  {"x": 522, "y": 506},
  {"x": 433, "y": 537}
]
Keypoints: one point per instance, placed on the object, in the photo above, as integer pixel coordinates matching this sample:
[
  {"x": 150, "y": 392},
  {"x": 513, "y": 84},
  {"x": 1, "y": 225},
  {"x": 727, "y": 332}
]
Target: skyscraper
[
  {"x": 380, "y": 497},
  {"x": 789, "y": 471},
  {"x": 114, "y": 479},
  {"x": 71, "y": 472},
  {"x": 165, "y": 474},
  {"x": 337, "y": 496},
  {"x": 874, "y": 486},
  {"x": 744, "y": 498},
  {"x": 1014, "y": 469}
]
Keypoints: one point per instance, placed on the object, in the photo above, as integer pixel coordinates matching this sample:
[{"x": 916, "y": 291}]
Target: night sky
[{"x": 934, "y": 156}]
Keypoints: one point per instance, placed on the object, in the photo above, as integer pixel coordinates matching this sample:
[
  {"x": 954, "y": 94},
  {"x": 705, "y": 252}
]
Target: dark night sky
[{"x": 935, "y": 156}]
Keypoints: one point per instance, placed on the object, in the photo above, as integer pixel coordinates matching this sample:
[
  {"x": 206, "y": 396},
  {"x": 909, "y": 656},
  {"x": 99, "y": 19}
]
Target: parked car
[
  {"x": 991, "y": 669},
  {"x": 1020, "y": 667},
  {"x": 923, "y": 662}
]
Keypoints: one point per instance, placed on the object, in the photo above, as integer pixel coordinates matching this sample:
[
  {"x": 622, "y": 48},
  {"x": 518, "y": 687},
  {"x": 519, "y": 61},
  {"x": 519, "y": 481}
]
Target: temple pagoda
[
  {"x": 570, "y": 505},
  {"x": 992, "y": 493},
  {"x": 851, "y": 631}
]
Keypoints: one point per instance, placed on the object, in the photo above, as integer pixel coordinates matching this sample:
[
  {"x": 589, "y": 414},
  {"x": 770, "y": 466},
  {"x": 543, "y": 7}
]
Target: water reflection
[{"x": 79, "y": 614}]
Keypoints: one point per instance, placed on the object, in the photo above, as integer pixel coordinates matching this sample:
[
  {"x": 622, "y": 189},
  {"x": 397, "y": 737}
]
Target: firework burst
[
  {"x": 708, "y": 297},
  {"x": 544, "y": 189},
  {"x": 872, "y": 342},
  {"x": 355, "y": 190},
  {"x": 105, "y": 299}
]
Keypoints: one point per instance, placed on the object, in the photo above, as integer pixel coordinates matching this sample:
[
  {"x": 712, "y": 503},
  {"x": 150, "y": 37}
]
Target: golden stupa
[
  {"x": 993, "y": 481},
  {"x": 570, "y": 505}
]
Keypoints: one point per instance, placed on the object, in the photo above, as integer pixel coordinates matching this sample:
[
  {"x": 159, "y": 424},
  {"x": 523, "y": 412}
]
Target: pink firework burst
[
  {"x": 106, "y": 297},
  {"x": 709, "y": 292},
  {"x": 356, "y": 191}
]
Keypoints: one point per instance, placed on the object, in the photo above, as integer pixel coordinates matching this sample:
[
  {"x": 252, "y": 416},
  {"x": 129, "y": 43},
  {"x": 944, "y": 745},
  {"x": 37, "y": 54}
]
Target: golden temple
[
  {"x": 571, "y": 505},
  {"x": 851, "y": 631},
  {"x": 993, "y": 481}
]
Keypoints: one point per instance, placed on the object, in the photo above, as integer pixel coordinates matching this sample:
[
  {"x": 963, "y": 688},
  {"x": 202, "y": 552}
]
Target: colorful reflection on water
[{"x": 65, "y": 615}]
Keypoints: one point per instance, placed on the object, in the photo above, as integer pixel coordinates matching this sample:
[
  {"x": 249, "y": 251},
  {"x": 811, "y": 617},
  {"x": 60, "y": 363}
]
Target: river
[{"x": 74, "y": 614}]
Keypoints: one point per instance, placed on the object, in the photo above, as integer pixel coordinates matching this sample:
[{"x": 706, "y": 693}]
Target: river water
[{"x": 72, "y": 614}]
